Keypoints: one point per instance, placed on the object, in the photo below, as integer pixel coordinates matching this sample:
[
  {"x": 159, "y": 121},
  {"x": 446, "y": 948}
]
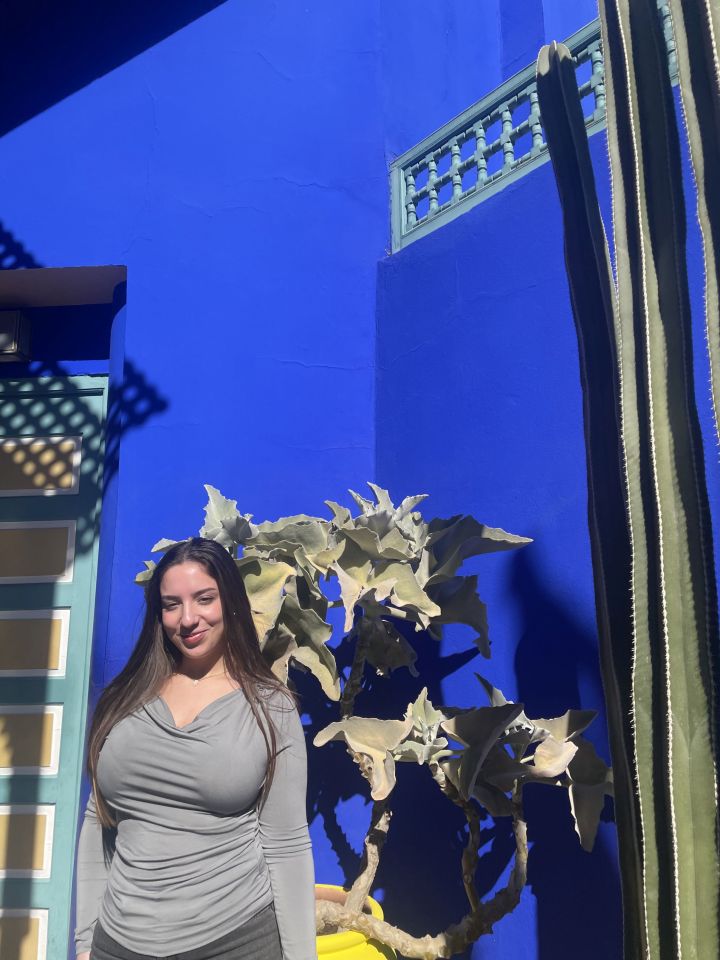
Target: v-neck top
[{"x": 194, "y": 858}]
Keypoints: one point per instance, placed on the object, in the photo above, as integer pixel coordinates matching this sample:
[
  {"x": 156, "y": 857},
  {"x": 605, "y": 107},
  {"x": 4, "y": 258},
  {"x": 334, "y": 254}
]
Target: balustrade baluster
[
  {"x": 507, "y": 145},
  {"x": 456, "y": 177},
  {"x": 480, "y": 158},
  {"x": 598, "y": 72},
  {"x": 535, "y": 124},
  {"x": 432, "y": 190},
  {"x": 410, "y": 210}
]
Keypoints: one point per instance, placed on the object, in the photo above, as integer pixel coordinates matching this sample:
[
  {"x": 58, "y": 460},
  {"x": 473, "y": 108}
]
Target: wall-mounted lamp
[{"x": 14, "y": 336}]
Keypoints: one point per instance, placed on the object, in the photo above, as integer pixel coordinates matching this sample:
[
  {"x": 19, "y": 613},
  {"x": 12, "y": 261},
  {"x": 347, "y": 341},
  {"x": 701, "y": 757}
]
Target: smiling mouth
[{"x": 194, "y": 638}]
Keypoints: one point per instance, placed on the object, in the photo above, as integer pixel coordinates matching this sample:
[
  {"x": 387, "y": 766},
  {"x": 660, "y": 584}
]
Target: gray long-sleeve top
[{"x": 194, "y": 858}]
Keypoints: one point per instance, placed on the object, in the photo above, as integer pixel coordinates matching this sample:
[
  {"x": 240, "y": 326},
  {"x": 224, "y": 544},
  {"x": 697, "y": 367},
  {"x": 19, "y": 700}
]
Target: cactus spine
[{"x": 656, "y": 596}]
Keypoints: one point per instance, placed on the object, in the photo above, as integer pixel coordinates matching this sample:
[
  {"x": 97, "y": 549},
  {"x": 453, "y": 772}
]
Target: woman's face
[{"x": 192, "y": 611}]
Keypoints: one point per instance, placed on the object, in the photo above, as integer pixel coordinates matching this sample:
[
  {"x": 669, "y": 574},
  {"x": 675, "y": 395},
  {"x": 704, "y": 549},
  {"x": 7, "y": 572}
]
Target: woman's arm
[
  {"x": 286, "y": 841},
  {"x": 90, "y": 879}
]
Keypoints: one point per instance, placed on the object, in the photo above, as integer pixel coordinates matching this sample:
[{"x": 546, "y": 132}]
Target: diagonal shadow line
[{"x": 50, "y": 50}]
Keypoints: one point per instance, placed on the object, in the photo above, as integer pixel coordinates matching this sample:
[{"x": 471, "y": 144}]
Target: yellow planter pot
[{"x": 349, "y": 945}]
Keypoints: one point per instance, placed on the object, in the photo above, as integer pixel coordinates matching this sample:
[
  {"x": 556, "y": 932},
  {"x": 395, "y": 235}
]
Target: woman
[{"x": 198, "y": 769}]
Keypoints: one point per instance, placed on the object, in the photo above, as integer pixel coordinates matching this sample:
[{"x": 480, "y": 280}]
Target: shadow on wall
[
  {"x": 13, "y": 255},
  {"x": 49, "y": 50},
  {"x": 567, "y": 882}
]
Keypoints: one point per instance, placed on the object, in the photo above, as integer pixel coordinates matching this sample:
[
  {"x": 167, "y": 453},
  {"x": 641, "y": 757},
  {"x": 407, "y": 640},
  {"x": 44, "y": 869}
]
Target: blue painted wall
[{"x": 234, "y": 157}]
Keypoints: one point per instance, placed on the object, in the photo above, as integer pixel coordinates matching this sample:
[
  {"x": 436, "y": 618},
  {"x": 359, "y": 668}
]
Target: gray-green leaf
[{"x": 375, "y": 739}]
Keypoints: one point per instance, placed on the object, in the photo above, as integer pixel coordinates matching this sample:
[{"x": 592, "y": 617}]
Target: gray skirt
[{"x": 258, "y": 939}]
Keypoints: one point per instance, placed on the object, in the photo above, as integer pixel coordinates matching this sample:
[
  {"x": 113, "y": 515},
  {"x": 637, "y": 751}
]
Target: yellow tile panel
[
  {"x": 26, "y": 739},
  {"x": 30, "y": 643},
  {"x": 36, "y": 551},
  {"x": 22, "y": 841},
  {"x": 20, "y": 937},
  {"x": 35, "y": 464}
]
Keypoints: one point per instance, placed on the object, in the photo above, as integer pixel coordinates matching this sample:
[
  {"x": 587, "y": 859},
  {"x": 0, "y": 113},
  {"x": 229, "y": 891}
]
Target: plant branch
[
  {"x": 380, "y": 817},
  {"x": 374, "y": 843},
  {"x": 471, "y": 855},
  {"x": 507, "y": 899},
  {"x": 458, "y": 936}
]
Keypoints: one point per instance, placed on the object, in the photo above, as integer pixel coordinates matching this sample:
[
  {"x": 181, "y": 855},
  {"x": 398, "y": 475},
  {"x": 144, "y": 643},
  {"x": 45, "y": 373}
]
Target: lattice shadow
[{"x": 131, "y": 404}]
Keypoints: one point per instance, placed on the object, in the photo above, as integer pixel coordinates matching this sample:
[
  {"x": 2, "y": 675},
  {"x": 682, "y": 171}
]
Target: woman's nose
[{"x": 189, "y": 617}]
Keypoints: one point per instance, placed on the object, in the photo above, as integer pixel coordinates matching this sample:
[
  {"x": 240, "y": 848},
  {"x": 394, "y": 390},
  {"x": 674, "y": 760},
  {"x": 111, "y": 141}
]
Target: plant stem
[
  {"x": 380, "y": 818},
  {"x": 354, "y": 681},
  {"x": 374, "y": 842}
]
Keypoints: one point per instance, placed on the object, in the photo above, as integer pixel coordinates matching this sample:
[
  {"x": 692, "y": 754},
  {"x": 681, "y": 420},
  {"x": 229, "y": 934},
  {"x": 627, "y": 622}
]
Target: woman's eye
[
  {"x": 169, "y": 606},
  {"x": 206, "y": 599}
]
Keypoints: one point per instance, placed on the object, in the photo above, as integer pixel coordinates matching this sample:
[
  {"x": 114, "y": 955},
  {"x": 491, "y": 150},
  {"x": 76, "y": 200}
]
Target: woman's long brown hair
[{"x": 154, "y": 659}]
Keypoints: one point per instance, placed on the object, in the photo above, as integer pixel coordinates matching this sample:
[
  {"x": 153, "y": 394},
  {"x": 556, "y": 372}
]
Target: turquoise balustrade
[{"x": 494, "y": 141}]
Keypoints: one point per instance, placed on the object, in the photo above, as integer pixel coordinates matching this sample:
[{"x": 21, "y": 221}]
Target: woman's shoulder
[
  {"x": 276, "y": 697},
  {"x": 280, "y": 706}
]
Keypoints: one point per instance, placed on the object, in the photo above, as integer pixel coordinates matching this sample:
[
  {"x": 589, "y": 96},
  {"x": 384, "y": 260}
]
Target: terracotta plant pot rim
[{"x": 346, "y": 940}]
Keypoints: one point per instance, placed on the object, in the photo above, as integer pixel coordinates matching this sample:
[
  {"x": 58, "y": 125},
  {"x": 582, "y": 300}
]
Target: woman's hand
[{"x": 83, "y": 956}]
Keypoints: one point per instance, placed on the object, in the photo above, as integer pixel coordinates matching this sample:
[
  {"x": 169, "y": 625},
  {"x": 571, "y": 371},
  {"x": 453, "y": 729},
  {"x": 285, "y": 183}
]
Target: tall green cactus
[{"x": 650, "y": 527}]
